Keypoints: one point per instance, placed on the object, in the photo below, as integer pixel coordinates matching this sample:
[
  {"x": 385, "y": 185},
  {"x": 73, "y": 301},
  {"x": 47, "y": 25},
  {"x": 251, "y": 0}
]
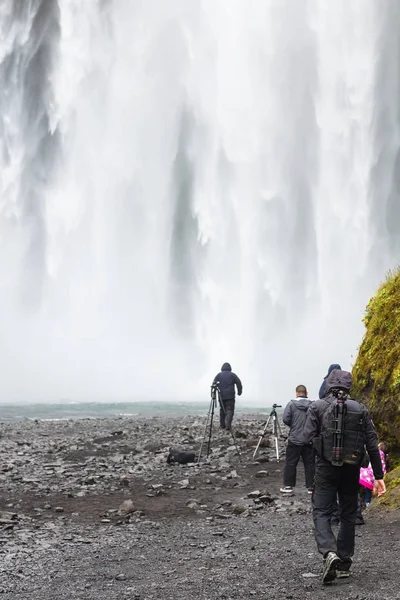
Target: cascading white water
[{"x": 185, "y": 183}]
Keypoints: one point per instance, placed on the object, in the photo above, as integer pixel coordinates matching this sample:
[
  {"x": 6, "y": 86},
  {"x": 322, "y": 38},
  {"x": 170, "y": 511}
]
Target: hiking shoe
[
  {"x": 330, "y": 564},
  {"x": 343, "y": 574},
  {"x": 310, "y": 491},
  {"x": 287, "y": 489},
  {"x": 343, "y": 569}
]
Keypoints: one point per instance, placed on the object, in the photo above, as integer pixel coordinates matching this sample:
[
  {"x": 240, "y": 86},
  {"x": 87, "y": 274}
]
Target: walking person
[
  {"x": 226, "y": 382},
  {"x": 294, "y": 416},
  {"x": 340, "y": 429},
  {"x": 322, "y": 389}
]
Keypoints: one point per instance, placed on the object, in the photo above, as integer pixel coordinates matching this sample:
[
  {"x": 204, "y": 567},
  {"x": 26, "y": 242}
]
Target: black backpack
[
  {"x": 343, "y": 431},
  {"x": 180, "y": 456}
]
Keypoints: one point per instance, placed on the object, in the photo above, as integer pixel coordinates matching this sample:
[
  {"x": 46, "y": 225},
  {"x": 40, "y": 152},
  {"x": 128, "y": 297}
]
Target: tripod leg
[
  {"x": 261, "y": 436},
  {"x": 205, "y": 431},
  {"x": 275, "y": 428},
  {"x": 210, "y": 432}
]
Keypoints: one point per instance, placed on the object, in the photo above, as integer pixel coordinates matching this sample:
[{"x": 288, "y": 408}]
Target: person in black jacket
[
  {"x": 294, "y": 416},
  {"x": 322, "y": 389},
  {"x": 226, "y": 381},
  {"x": 342, "y": 481}
]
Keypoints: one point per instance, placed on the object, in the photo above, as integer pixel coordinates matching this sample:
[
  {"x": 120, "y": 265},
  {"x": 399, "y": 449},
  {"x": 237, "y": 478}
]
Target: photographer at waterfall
[{"x": 226, "y": 381}]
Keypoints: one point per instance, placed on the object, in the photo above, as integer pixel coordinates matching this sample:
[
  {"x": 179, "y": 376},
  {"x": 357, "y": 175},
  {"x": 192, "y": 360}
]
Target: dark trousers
[
  {"x": 226, "y": 412},
  {"x": 293, "y": 454},
  {"x": 331, "y": 482}
]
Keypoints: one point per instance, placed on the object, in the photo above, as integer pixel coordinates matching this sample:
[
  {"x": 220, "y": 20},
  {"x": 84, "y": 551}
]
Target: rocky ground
[{"x": 90, "y": 509}]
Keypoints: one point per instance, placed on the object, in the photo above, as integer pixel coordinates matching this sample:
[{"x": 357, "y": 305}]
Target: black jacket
[
  {"x": 322, "y": 389},
  {"x": 313, "y": 425},
  {"x": 226, "y": 382},
  {"x": 294, "y": 416}
]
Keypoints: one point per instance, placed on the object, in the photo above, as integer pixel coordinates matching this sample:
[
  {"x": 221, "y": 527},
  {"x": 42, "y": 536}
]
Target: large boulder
[{"x": 376, "y": 373}]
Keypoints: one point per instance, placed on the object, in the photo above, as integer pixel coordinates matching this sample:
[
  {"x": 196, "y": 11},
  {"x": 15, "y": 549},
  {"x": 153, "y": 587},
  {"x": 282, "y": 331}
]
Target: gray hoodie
[{"x": 294, "y": 416}]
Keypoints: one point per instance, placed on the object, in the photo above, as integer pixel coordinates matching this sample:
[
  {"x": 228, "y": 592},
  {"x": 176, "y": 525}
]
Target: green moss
[
  {"x": 392, "y": 497},
  {"x": 376, "y": 373}
]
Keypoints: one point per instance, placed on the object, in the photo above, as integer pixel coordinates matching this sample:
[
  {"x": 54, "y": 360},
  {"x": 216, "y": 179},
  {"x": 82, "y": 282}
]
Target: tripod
[
  {"x": 276, "y": 429},
  {"x": 215, "y": 392}
]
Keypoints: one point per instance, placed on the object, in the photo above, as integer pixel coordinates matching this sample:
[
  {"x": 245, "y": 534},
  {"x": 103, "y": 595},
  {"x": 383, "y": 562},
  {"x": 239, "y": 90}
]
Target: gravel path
[{"x": 188, "y": 533}]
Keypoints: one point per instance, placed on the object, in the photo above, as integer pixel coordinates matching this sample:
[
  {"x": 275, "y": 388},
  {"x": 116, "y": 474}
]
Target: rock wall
[{"x": 376, "y": 373}]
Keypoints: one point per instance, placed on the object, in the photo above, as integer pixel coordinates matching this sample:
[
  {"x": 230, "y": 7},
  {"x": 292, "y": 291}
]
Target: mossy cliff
[{"x": 376, "y": 373}]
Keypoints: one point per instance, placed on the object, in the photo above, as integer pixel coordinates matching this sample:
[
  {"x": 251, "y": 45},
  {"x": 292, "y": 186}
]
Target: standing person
[
  {"x": 294, "y": 416},
  {"x": 322, "y": 389},
  {"x": 337, "y": 473},
  {"x": 226, "y": 381}
]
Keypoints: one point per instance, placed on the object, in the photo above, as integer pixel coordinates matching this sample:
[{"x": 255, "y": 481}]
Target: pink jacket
[{"x": 367, "y": 475}]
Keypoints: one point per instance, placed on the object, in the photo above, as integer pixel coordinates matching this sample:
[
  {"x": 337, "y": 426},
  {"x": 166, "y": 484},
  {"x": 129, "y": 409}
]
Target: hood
[
  {"x": 339, "y": 379},
  {"x": 302, "y": 403},
  {"x": 333, "y": 367},
  {"x": 226, "y": 367}
]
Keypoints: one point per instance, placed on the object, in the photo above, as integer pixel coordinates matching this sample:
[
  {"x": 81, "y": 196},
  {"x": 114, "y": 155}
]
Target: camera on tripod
[
  {"x": 214, "y": 390},
  {"x": 277, "y": 406}
]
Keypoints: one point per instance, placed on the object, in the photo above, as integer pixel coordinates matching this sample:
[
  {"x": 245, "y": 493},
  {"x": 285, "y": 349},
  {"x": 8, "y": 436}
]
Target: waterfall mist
[{"x": 188, "y": 183}]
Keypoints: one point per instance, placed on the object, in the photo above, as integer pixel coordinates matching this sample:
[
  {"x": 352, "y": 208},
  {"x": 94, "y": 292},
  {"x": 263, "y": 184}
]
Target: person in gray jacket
[{"x": 294, "y": 416}]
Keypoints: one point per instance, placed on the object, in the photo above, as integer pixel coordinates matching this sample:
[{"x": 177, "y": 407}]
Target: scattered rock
[
  {"x": 255, "y": 494},
  {"x": 127, "y": 507},
  {"x": 261, "y": 474}
]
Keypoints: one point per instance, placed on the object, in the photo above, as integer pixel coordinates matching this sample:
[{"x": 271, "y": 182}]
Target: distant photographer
[
  {"x": 340, "y": 429},
  {"x": 294, "y": 416},
  {"x": 226, "y": 382}
]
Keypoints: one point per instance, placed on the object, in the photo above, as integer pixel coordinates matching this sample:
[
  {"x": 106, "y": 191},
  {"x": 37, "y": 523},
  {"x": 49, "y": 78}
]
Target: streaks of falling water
[{"x": 188, "y": 183}]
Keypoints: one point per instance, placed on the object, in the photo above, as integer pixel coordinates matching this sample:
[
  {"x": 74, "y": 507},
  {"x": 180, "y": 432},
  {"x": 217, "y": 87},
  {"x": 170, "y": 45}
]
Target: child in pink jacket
[{"x": 367, "y": 476}]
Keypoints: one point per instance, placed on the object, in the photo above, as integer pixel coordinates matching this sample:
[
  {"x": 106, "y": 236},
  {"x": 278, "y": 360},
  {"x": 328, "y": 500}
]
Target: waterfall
[{"x": 188, "y": 183}]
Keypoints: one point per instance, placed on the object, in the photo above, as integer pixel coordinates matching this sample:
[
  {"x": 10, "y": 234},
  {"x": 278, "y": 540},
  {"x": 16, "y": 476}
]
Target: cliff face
[{"x": 376, "y": 373}]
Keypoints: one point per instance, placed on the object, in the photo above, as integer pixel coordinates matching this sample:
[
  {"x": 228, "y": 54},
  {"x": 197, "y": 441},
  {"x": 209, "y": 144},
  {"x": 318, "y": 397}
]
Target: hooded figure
[
  {"x": 322, "y": 389},
  {"x": 332, "y": 480},
  {"x": 226, "y": 381}
]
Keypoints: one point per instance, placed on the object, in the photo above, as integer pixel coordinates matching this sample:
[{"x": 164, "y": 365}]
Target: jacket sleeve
[
  {"x": 216, "y": 378},
  {"x": 322, "y": 390},
  {"x": 238, "y": 385},
  {"x": 287, "y": 414},
  {"x": 312, "y": 425},
  {"x": 372, "y": 448}
]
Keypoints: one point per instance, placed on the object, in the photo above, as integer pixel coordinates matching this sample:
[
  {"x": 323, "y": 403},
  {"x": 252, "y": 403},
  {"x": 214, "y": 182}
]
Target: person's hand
[{"x": 379, "y": 487}]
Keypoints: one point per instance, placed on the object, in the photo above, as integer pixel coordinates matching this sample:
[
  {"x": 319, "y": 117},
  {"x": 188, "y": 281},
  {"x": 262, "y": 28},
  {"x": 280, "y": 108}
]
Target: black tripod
[
  {"x": 276, "y": 430},
  {"x": 215, "y": 393},
  {"x": 337, "y": 450}
]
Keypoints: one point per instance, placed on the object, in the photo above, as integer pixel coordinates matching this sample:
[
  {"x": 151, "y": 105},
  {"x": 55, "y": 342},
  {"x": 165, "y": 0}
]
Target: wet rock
[
  {"x": 156, "y": 486},
  {"x": 254, "y": 494},
  {"x": 238, "y": 510},
  {"x": 127, "y": 507},
  {"x": 260, "y": 474},
  {"x": 8, "y": 516}
]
